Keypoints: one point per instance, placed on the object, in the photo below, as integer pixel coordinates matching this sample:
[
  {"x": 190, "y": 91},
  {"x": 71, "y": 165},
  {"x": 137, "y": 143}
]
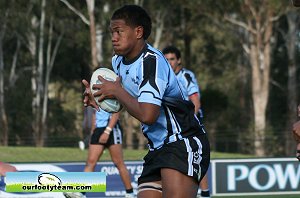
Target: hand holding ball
[{"x": 108, "y": 105}]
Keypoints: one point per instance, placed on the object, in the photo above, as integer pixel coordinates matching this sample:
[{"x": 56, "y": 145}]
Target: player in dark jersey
[
  {"x": 147, "y": 88},
  {"x": 191, "y": 91}
]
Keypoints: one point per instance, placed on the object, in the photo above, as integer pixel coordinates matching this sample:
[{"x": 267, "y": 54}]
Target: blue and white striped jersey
[
  {"x": 150, "y": 79},
  {"x": 188, "y": 82},
  {"x": 189, "y": 85}
]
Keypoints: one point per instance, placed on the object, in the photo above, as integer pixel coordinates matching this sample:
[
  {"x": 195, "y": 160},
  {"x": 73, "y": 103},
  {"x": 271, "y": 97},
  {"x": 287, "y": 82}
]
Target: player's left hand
[{"x": 107, "y": 89}]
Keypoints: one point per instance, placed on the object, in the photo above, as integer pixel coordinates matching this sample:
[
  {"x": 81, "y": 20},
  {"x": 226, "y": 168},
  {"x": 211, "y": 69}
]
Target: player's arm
[
  {"x": 93, "y": 127},
  {"x": 296, "y": 131},
  {"x": 195, "y": 99},
  {"x": 5, "y": 167},
  {"x": 145, "y": 112},
  {"x": 111, "y": 124},
  {"x": 113, "y": 120}
]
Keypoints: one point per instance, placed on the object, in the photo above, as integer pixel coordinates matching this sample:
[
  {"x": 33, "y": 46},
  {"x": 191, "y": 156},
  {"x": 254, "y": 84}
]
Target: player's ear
[{"x": 139, "y": 32}]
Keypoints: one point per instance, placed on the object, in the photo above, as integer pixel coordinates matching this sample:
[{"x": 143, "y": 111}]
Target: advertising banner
[
  {"x": 114, "y": 185},
  {"x": 228, "y": 177},
  {"x": 256, "y": 176}
]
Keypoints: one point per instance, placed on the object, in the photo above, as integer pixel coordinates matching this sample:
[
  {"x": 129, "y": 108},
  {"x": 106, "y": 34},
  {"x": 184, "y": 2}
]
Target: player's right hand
[{"x": 88, "y": 99}]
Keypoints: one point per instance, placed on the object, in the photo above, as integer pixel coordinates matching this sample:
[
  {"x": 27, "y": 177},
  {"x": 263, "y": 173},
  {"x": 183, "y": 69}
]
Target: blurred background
[{"x": 245, "y": 54}]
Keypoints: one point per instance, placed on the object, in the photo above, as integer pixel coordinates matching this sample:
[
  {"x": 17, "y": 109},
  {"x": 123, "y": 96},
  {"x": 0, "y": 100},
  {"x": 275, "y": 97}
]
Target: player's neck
[
  {"x": 136, "y": 51},
  {"x": 177, "y": 70}
]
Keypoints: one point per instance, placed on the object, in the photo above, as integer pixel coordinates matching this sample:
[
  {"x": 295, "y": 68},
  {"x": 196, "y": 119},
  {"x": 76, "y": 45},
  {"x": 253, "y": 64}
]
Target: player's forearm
[
  {"x": 196, "y": 101},
  {"x": 144, "y": 112},
  {"x": 93, "y": 122},
  {"x": 113, "y": 120}
]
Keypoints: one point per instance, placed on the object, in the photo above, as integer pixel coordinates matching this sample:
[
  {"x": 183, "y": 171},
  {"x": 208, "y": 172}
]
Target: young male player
[
  {"x": 190, "y": 89},
  {"x": 178, "y": 155}
]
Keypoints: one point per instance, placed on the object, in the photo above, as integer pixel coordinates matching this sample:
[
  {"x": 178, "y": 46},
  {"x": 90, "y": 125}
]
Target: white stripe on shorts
[
  {"x": 190, "y": 157},
  {"x": 117, "y": 135},
  {"x": 199, "y": 144},
  {"x": 200, "y": 152}
]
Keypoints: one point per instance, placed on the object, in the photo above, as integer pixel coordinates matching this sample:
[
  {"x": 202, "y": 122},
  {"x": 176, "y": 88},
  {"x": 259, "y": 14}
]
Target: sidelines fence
[{"x": 228, "y": 177}]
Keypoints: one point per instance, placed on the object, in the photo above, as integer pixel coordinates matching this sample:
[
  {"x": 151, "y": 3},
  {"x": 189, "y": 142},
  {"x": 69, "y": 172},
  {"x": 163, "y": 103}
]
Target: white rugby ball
[{"x": 108, "y": 105}]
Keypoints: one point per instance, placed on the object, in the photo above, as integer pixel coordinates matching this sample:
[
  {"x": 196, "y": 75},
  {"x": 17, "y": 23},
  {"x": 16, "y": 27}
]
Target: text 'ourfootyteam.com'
[{"x": 55, "y": 188}]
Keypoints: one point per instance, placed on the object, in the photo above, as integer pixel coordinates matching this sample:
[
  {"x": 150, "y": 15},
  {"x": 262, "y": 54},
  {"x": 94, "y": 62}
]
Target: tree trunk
[
  {"x": 260, "y": 57},
  {"x": 291, "y": 42},
  {"x": 37, "y": 75},
  {"x": 51, "y": 55},
  {"x": 159, "y": 27},
  {"x": 3, "y": 121},
  {"x": 32, "y": 48},
  {"x": 99, "y": 43},
  {"x": 40, "y": 85},
  {"x": 91, "y": 9}
]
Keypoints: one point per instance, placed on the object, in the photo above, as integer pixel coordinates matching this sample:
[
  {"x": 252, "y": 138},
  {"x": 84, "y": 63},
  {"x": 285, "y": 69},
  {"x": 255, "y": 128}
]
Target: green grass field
[
  {"x": 33, "y": 154},
  {"x": 62, "y": 154}
]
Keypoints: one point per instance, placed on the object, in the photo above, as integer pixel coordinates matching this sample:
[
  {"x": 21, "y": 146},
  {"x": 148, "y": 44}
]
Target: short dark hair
[
  {"x": 134, "y": 15},
  {"x": 172, "y": 50}
]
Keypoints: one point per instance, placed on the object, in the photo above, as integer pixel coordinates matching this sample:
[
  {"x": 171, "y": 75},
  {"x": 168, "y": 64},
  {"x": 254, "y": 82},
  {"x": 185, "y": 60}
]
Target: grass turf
[{"x": 63, "y": 154}]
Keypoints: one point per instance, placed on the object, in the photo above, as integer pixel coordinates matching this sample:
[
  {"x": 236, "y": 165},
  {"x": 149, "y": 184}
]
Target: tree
[
  {"x": 41, "y": 71},
  {"x": 289, "y": 34},
  {"x": 96, "y": 30},
  {"x": 258, "y": 19},
  {"x": 3, "y": 120}
]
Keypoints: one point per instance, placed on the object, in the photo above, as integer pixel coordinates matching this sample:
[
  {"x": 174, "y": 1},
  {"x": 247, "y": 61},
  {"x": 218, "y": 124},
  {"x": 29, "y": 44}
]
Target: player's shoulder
[
  {"x": 116, "y": 58},
  {"x": 150, "y": 51},
  {"x": 116, "y": 61}
]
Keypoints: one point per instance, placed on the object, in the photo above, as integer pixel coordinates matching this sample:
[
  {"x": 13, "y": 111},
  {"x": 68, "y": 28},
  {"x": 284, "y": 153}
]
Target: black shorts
[
  {"x": 190, "y": 156},
  {"x": 115, "y": 136}
]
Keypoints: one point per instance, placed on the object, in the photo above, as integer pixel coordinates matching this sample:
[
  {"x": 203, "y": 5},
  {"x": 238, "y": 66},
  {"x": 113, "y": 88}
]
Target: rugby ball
[{"x": 108, "y": 105}]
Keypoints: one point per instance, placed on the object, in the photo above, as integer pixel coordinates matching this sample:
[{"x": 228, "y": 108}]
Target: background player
[{"x": 107, "y": 134}]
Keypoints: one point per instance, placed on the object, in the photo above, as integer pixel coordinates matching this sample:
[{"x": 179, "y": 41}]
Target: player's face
[
  {"x": 173, "y": 60},
  {"x": 124, "y": 38}
]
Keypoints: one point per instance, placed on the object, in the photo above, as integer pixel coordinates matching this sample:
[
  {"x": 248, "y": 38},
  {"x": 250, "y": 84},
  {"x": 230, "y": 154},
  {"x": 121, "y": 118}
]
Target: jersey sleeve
[
  {"x": 154, "y": 79},
  {"x": 115, "y": 60},
  {"x": 191, "y": 83}
]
